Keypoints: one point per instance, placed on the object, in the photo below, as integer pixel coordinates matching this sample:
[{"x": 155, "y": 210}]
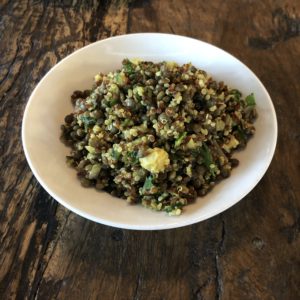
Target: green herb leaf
[
  {"x": 168, "y": 208},
  {"x": 180, "y": 139},
  {"x": 113, "y": 102},
  {"x": 87, "y": 121},
  {"x": 128, "y": 67},
  {"x": 118, "y": 78},
  {"x": 250, "y": 100},
  {"x": 126, "y": 122},
  {"x": 148, "y": 183},
  {"x": 207, "y": 158},
  {"x": 241, "y": 133},
  {"x": 133, "y": 156},
  {"x": 115, "y": 154},
  {"x": 206, "y": 155},
  {"x": 237, "y": 94}
]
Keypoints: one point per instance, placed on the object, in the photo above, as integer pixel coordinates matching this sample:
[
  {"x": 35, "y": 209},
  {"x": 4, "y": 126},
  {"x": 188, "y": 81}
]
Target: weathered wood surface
[{"x": 251, "y": 251}]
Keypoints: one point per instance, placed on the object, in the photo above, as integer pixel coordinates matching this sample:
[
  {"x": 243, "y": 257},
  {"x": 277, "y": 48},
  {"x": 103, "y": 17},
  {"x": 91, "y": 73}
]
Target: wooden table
[{"x": 251, "y": 251}]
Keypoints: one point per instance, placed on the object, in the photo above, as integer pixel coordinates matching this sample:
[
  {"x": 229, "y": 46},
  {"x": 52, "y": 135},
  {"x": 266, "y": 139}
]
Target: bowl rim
[{"x": 123, "y": 225}]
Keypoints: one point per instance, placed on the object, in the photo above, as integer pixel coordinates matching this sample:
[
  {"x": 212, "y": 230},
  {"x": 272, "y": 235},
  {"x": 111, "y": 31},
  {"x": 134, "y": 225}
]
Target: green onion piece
[{"x": 250, "y": 100}]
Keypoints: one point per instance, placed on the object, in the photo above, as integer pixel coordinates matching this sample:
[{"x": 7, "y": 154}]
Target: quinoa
[{"x": 157, "y": 134}]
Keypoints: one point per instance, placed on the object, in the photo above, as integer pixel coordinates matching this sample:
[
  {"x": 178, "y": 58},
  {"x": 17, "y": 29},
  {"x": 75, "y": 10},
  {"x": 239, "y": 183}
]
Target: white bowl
[{"x": 50, "y": 102}]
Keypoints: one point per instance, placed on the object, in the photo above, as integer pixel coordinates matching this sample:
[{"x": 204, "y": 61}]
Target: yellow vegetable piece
[{"x": 156, "y": 161}]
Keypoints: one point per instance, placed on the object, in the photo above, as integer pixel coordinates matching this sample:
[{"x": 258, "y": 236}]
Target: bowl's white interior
[{"x": 50, "y": 102}]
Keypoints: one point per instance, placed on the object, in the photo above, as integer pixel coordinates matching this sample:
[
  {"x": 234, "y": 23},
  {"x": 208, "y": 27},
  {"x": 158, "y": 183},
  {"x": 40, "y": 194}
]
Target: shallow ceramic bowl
[{"x": 50, "y": 102}]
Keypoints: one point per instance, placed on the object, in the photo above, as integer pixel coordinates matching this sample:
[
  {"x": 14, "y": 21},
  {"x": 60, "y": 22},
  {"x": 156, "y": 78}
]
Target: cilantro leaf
[
  {"x": 87, "y": 121},
  {"x": 237, "y": 94},
  {"x": 206, "y": 155},
  {"x": 133, "y": 156},
  {"x": 128, "y": 67},
  {"x": 148, "y": 183},
  {"x": 207, "y": 159}
]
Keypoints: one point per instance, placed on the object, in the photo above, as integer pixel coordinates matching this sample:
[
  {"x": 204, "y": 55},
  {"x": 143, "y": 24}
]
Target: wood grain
[{"x": 248, "y": 252}]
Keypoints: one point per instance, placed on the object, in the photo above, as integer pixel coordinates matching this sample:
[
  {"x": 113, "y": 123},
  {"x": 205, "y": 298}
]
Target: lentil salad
[{"x": 159, "y": 134}]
